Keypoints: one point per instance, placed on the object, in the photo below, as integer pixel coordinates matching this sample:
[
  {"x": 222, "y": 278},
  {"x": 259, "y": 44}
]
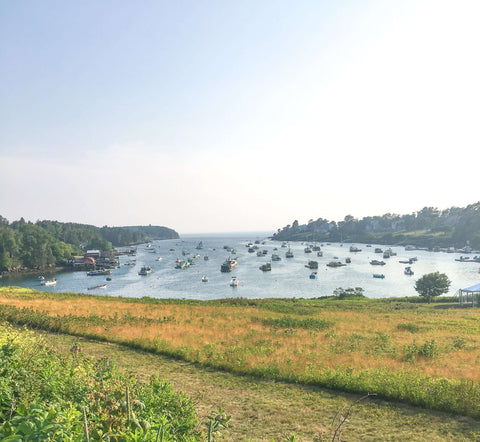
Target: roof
[{"x": 472, "y": 289}]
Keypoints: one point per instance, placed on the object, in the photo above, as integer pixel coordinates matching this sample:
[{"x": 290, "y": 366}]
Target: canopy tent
[{"x": 473, "y": 291}]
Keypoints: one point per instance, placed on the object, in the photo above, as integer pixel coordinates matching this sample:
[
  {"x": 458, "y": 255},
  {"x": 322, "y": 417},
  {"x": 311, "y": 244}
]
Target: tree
[{"x": 432, "y": 284}]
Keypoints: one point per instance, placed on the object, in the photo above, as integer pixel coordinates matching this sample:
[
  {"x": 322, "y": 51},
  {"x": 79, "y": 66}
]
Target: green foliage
[
  {"x": 42, "y": 397},
  {"x": 432, "y": 285},
  {"x": 350, "y": 293},
  {"x": 428, "y": 227},
  {"x": 292, "y": 323},
  {"x": 48, "y": 243}
]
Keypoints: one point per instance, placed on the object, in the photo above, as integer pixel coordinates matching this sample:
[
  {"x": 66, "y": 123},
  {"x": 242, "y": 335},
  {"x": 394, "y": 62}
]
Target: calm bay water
[{"x": 289, "y": 277}]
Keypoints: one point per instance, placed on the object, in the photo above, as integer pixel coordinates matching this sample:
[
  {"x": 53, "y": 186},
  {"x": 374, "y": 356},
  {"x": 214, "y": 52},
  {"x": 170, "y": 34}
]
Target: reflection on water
[{"x": 288, "y": 278}]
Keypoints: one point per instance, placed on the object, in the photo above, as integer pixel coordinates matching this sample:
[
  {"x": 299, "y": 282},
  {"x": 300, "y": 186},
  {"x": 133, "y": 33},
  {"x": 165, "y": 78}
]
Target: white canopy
[{"x": 472, "y": 289}]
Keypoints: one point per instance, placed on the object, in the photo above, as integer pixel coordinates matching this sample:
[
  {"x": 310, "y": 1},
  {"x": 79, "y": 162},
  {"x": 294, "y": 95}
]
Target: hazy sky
[{"x": 208, "y": 116}]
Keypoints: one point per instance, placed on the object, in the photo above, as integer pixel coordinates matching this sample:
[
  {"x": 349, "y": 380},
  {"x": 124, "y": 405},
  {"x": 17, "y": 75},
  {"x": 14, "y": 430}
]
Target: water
[{"x": 289, "y": 277}]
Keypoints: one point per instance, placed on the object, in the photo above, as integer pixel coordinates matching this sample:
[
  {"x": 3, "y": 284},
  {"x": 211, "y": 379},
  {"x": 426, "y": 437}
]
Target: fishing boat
[
  {"x": 289, "y": 254},
  {"x": 234, "y": 282},
  {"x": 228, "y": 265},
  {"x": 182, "y": 264},
  {"x": 307, "y": 249},
  {"x": 101, "y": 286},
  {"x": 99, "y": 272},
  {"x": 267, "y": 267},
  {"x": 355, "y": 249},
  {"x": 335, "y": 264},
  {"x": 312, "y": 265},
  {"x": 145, "y": 270},
  {"x": 204, "y": 278},
  {"x": 379, "y": 275},
  {"x": 376, "y": 262},
  {"x": 276, "y": 257}
]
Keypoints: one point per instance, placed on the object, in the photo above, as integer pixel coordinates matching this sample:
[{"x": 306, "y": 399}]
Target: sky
[{"x": 224, "y": 116}]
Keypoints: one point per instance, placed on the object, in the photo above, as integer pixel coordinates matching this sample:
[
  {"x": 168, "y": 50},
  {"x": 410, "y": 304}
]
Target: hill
[
  {"x": 454, "y": 227},
  {"x": 50, "y": 243}
]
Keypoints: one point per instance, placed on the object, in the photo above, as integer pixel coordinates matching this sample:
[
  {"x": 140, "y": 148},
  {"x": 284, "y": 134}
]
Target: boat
[
  {"x": 99, "y": 272},
  {"x": 355, "y": 249},
  {"x": 376, "y": 262},
  {"x": 307, "y": 249},
  {"x": 336, "y": 264},
  {"x": 131, "y": 262},
  {"x": 289, "y": 254},
  {"x": 408, "y": 271},
  {"x": 259, "y": 253},
  {"x": 49, "y": 282},
  {"x": 204, "y": 278},
  {"x": 228, "y": 265},
  {"x": 379, "y": 275},
  {"x": 267, "y": 267},
  {"x": 199, "y": 246},
  {"x": 320, "y": 254},
  {"x": 182, "y": 264},
  {"x": 312, "y": 265},
  {"x": 234, "y": 282},
  {"x": 276, "y": 257},
  {"x": 348, "y": 260},
  {"x": 145, "y": 270},
  {"x": 378, "y": 250},
  {"x": 284, "y": 244},
  {"x": 101, "y": 286},
  {"x": 313, "y": 275},
  {"x": 206, "y": 258},
  {"x": 159, "y": 258},
  {"x": 196, "y": 256}
]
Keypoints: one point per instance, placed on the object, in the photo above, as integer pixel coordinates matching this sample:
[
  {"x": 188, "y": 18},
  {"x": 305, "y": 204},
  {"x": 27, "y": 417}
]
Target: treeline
[
  {"x": 429, "y": 227},
  {"x": 50, "y": 243}
]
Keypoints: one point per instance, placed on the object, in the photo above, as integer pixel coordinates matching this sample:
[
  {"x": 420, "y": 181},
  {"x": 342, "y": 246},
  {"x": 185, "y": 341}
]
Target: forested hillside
[
  {"x": 429, "y": 227},
  {"x": 50, "y": 243}
]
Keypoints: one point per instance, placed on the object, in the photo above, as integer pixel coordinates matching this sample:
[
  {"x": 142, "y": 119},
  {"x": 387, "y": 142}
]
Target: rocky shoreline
[{"x": 27, "y": 271}]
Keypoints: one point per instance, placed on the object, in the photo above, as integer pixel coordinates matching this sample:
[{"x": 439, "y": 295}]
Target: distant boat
[
  {"x": 379, "y": 275},
  {"x": 145, "y": 270},
  {"x": 312, "y": 265},
  {"x": 267, "y": 267},
  {"x": 204, "y": 278},
  {"x": 99, "y": 272},
  {"x": 49, "y": 282},
  {"x": 336, "y": 264},
  {"x": 355, "y": 249},
  {"x": 313, "y": 275},
  {"x": 182, "y": 264},
  {"x": 276, "y": 257},
  {"x": 228, "y": 265},
  {"x": 101, "y": 286},
  {"x": 408, "y": 271},
  {"x": 376, "y": 262},
  {"x": 234, "y": 282},
  {"x": 159, "y": 258},
  {"x": 200, "y": 246},
  {"x": 289, "y": 254},
  {"x": 206, "y": 258},
  {"x": 307, "y": 250}
]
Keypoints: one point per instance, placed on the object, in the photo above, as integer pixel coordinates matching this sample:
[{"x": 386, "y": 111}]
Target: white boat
[
  {"x": 234, "y": 282},
  {"x": 146, "y": 270},
  {"x": 101, "y": 286},
  {"x": 204, "y": 278},
  {"x": 49, "y": 282}
]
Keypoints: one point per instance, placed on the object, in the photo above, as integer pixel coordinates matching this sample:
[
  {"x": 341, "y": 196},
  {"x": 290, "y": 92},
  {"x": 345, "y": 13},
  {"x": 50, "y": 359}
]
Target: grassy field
[{"x": 414, "y": 353}]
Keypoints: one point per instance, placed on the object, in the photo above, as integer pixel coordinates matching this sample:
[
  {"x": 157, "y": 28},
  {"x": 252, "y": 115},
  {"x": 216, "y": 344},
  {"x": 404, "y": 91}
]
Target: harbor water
[{"x": 288, "y": 278}]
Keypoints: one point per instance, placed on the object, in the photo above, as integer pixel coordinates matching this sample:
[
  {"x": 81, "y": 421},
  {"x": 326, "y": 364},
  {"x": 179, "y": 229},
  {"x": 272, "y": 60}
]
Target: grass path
[{"x": 266, "y": 411}]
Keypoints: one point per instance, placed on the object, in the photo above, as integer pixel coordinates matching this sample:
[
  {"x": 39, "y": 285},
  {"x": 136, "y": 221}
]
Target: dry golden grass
[{"x": 359, "y": 340}]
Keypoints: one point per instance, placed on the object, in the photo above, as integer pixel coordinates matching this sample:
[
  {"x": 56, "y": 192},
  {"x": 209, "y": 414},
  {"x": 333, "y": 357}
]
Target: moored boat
[
  {"x": 101, "y": 286},
  {"x": 289, "y": 254},
  {"x": 312, "y": 265},
  {"x": 408, "y": 271},
  {"x": 379, "y": 275},
  {"x": 335, "y": 264},
  {"x": 99, "y": 272},
  {"x": 49, "y": 282},
  {"x": 228, "y": 265},
  {"x": 145, "y": 270},
  {"x": 234, "y": 282},
  {"x": 204, "y": 278},
  {"x": 267, "y": 267}
]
